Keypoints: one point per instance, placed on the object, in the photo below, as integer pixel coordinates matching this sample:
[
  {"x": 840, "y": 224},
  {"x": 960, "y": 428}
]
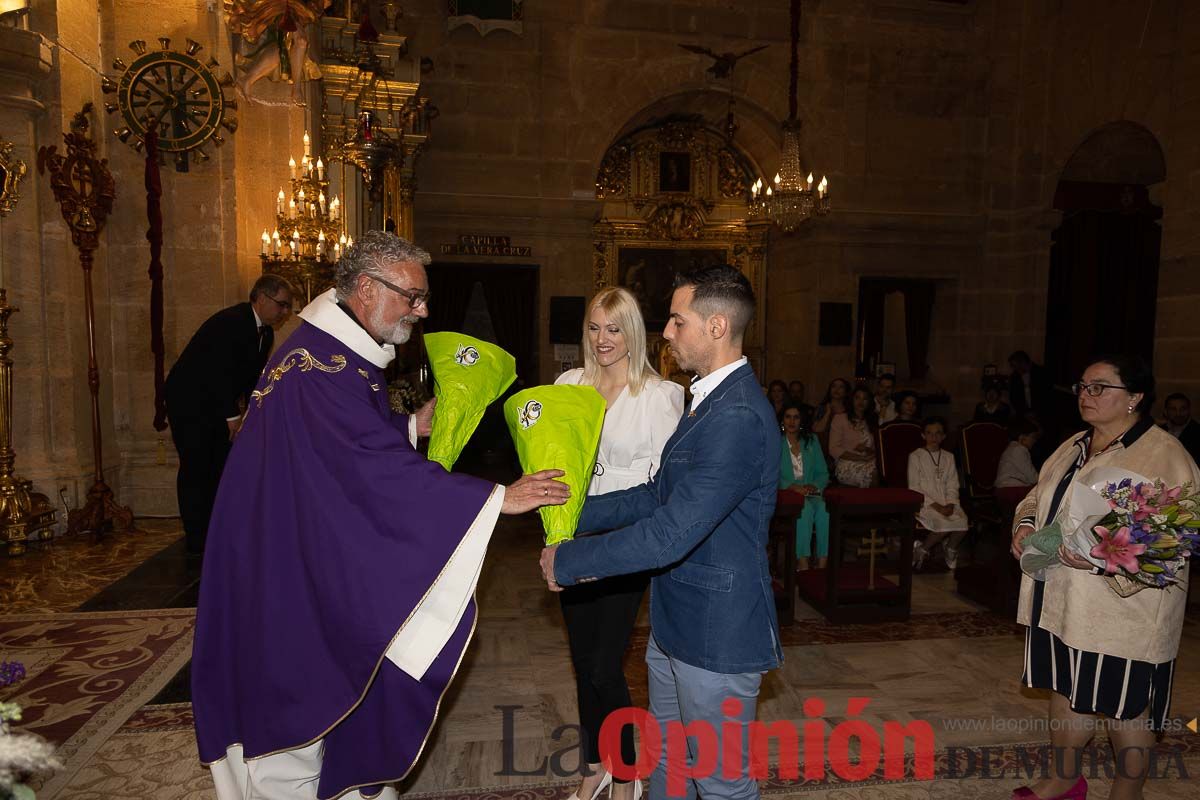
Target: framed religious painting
[{"x": 649, "y": 274}]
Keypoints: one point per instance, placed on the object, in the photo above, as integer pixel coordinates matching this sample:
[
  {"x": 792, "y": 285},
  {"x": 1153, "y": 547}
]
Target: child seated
[
  {"x": 933, "y": 473},
  {"x": 1016, "y": 466}
]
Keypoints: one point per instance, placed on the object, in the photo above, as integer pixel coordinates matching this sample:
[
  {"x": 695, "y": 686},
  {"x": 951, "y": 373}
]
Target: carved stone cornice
[{"x": 25, "y": 59}]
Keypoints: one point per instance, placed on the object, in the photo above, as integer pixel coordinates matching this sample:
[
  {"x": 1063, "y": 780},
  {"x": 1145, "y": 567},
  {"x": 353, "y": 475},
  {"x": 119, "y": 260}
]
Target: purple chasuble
[{"x": 327, "y": 532}]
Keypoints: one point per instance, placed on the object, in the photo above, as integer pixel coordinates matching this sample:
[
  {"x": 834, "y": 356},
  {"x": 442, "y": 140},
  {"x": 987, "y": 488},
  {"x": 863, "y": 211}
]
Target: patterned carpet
[{"x": 87, "y": 673}]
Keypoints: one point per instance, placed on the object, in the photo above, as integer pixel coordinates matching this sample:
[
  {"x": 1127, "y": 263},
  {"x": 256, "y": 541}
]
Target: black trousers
[
  {"x": 600, "y": 616},
  {"x": 203, "y": 445}
]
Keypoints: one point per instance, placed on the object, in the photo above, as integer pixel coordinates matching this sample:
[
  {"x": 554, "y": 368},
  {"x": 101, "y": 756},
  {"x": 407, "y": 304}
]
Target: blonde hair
[{"x": 622, "y": 310}]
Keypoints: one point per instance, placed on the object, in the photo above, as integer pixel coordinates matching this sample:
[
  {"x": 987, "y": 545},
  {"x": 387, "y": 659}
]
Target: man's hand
[
  {"x": 235, "y": 427},
  {"x": 1018, "y": 538},
  {"x": 534, "y": 491},
  {"x": 424, "y": 416},
  {"x": 547, "y": 562}
]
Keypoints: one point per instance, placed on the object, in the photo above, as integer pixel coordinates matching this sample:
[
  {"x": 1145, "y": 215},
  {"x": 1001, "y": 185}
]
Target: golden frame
[{"x": 12, "y": 170}]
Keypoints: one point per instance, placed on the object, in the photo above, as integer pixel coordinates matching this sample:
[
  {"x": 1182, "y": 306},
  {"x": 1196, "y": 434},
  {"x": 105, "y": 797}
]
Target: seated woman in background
[
  {"x": 1016, "y": 465},
  {"x": 832, "y": 405},
  {"x": 852, "y": 441},
  {"x": 908, "y": 408},
  {"x": 933, "y": 473},
  {"x": 992, "y": 409},
  {"x": 802, "y": 469}
]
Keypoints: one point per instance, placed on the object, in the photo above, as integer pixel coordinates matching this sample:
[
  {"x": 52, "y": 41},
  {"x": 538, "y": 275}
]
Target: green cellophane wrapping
[
  {"x": 468, "y": 374},
  {"x": 558, "y": 427}
]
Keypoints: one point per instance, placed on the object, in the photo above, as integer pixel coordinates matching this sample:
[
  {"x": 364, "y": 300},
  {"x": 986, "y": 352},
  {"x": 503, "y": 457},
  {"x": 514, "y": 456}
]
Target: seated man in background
[{"x": 885, "y": 409}]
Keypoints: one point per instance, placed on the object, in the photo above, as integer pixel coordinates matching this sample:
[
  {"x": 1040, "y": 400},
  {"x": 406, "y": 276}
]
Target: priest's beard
[{"x": 397, "y": 333}]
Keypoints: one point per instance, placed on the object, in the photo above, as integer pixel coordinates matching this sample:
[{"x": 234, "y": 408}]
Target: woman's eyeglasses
[{"x": 1094, "y": 389}]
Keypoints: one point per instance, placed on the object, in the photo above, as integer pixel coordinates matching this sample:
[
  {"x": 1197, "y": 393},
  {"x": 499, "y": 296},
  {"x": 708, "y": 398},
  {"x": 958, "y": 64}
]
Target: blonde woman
[{"x": 643, "y": 410}]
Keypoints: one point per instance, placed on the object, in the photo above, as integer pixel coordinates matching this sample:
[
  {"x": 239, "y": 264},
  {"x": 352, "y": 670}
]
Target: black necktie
[{"x": 262, "y": 338}]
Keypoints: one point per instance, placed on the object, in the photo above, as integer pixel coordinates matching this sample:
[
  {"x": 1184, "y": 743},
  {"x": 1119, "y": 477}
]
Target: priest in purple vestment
[{"x": 337, "y": 597}]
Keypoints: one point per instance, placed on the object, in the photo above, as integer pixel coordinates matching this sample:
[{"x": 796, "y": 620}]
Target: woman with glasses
[
  {"x": 1103, "y": 645},
  {"x": 643, "y": 411}
]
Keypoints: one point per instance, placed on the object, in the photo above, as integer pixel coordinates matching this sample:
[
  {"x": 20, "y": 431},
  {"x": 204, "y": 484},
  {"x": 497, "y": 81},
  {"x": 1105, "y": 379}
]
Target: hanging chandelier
[
  {"x": 309, "y": 235},
  {"x": 791, "y": 199}
]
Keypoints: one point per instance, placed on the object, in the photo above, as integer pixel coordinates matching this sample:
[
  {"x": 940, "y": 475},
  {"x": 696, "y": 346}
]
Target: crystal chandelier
[
  {"x": 309, "y": 236},
  {"x": 792, "y": 198}
]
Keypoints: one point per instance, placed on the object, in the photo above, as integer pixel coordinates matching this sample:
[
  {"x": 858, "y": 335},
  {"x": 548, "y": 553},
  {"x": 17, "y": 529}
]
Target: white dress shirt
[{"x": 702, "y": 387}]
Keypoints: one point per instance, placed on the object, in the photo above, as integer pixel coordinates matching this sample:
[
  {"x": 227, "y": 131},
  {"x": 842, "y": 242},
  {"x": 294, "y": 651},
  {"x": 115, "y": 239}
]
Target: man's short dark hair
[
  {"x": 721, "y": 289},
  {"x": 1020, "y": 357},
  {"x": 271, "y": 285},
  {"x": 887, "y": 376},
  {"x": 1178, "y": 396},
  {"x": 939, "y": 421}
]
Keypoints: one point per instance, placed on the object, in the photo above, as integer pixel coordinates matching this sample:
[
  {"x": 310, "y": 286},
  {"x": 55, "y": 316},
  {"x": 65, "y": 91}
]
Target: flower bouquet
[
  {"x": 21, "y": 754},
  {"x": 1126, "y": 524}
]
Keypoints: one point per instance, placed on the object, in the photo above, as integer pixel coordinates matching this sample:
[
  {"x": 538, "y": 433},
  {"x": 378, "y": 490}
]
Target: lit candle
[
  {"x": 320, "y": 169},
  {"x": 342, "y": 240},
  {"x": 777, "y": 178},
  {"x": 279, "y": 202},
  {"x": 291, "y": 209},
  {"x": 350, "y": 242},
  {"x": 810, "y": 180},
  {"x": 321, "y": 198},
  {"x": 823, "y": 187},
  {"x": 321, "y": 244},
  {"x": 275, "y": 242},
  {"x": 266, "y": 240},
  {"x": 296, "y": 242},
  {"x": 337, "y": 251},
  {"x": 768, "y": 191},
  {"x": 306, "y": 142},
  {"x": 335, "y": 208},
  {"x": 292, "y": 167}
]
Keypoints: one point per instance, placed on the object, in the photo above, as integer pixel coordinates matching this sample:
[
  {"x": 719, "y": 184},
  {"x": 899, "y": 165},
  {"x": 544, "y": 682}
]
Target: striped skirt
[{"x": 1095, "y": 683}]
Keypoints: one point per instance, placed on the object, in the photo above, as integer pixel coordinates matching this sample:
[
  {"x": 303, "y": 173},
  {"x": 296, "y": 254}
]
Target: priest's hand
[
  {"x": 424, "y": 416},
  {"x": 534, "y": 491},
  {"x": 547, "y": 562}
]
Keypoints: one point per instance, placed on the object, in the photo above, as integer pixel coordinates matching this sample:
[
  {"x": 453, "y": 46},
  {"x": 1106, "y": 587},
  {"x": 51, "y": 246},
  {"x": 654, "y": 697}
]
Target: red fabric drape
[{"x": 154, "y": 234}]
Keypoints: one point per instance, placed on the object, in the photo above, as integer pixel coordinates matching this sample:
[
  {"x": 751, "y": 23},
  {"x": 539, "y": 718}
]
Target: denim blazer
[{"x": 703, "y": 522}]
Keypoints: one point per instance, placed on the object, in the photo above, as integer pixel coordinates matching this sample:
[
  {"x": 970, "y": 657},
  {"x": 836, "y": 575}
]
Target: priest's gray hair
[{"x": 371, "y": 255}]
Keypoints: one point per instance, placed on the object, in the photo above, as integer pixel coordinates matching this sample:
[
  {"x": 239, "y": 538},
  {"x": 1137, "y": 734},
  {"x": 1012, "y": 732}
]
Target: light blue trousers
[
  {"x": 684, "y": 694},
  {"x": 815, "y": 518}
]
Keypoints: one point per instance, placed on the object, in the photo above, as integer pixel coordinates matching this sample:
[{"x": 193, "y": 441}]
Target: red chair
[
  {"x": 982, "y": 445},
  {"x": 893, "y": 444}
]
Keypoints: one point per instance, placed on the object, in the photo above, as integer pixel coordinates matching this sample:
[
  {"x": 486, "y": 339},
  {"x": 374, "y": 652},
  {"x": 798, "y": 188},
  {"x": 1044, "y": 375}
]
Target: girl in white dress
[
  {"x": 933, "y": 473},
  {"x": 643, "y": 411}
]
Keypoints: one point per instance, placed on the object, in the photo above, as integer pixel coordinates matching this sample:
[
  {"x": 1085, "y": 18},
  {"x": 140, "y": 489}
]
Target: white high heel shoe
[{"x": 604, "y": 784}]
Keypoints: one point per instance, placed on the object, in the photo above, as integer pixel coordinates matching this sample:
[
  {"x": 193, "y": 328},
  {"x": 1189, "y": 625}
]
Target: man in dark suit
[
  {"x": 701, "y": 523},
  {"x": 1028, "y": 386},
  {"x": 1180, "y": 424},
  {"x": 207, "y": 391}
]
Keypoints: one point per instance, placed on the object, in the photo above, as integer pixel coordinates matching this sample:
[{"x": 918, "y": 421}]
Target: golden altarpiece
[{"x": 675, "y": 197}]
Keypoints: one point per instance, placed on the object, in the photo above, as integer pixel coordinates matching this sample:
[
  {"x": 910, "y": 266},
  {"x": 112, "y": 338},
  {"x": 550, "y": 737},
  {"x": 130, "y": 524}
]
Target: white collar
[
  {"x": 323, "y": 313},
  {"x": 702, "y": 387},
  {"x": 258, "y": 323}
]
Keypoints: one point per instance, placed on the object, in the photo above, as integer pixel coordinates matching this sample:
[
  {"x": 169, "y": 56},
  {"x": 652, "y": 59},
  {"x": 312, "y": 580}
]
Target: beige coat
[{"x": 1086, "y": 610}]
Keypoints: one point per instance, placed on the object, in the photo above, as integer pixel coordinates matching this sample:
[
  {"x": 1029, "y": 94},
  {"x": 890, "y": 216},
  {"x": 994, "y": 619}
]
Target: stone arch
[
  {"x": 758, "y": 135},
  {"x": 1117, "y": 152}
]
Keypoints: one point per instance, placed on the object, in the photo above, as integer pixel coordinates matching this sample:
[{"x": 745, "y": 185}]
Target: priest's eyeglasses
[
  {"x": 1094, "y": 389},
  {"x": 414, "y": 298}
]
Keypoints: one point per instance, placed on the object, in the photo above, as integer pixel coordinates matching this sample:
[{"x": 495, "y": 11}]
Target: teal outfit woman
[{"x": 815, "y": 515}]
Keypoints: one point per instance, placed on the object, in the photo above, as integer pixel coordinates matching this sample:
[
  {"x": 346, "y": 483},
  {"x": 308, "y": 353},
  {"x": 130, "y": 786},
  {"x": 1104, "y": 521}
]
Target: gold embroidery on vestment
[{"x": 306, "y": 361}]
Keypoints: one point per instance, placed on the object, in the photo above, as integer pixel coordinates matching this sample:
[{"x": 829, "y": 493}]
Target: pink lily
[{"x": 1117, "y": 550}]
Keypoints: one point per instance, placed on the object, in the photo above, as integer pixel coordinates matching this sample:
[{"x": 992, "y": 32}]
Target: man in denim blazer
[{"x": 702, "y": 522}]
